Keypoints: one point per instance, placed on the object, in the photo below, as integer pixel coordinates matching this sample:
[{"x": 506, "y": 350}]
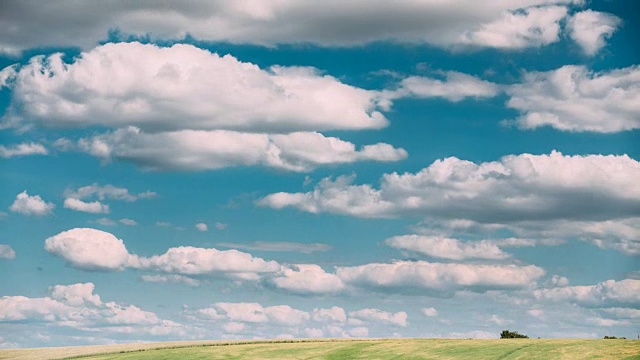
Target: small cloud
[
  {"x": 31, "y": 205},
  {"x": 105, "y": 222},
  {"x": 163, "y": 223},
  {"x": 430, "y": 312},
  {"x": 95, "y": 207},
  {"x": 128, "y": 222},
  {"x": 202, "y": 227},
  {"x": 6, "y": 252},
  {"x": 221, "y": 226}
]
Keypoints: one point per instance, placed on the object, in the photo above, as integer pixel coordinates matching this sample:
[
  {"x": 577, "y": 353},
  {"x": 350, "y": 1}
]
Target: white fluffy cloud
[
  {"x": 515, "y": 188},
  {"x": 188, "y": 260},
  {"x": 194, "y": 150},
  {"x": 536, "y": 26},
  {"x": 29, "y": 24},
  {"x": 590, "y": 29},
  {"x": 447, "y": 248},
  {"x": 94, "y": 207},
  {"x": 256, "y": 313},
  {"x": 438, "y": 278},
  {"x": 572, "y": 98},
  {"x": 90, "y": 249},
  {"x": 202, "y": 89},
  {"x": 307, "y": 279},
  {"x": 454, "y": 87},
  {"x": 78, "y": 307},
  {"x": 606, "y": 293},
  {"x": 376, "y": 315},
  {"x": 7, "y": 252},
  {"x": 31, "y": 205},
  {"x": 171, "y": 278},
  {"x": 75, "y": 294},
  {"x": 335, "y": 314},
  {"x": 202, "y": 227},
  {"x": 22, "y": 150}
]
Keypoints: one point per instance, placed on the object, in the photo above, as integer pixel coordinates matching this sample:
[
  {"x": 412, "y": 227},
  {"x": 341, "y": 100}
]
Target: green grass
[{"x": 382, "y": 349}]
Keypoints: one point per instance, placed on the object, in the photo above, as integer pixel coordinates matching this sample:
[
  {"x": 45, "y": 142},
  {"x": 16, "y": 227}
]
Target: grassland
[{"x": 348, "y": 349}]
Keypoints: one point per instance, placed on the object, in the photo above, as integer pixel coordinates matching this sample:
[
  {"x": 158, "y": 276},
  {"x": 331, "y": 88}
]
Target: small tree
[{"x": 506, "y": 334}]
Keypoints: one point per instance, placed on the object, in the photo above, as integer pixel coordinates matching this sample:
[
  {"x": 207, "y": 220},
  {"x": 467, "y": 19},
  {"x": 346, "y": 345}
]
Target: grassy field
[{"x": 348, "y": 349}]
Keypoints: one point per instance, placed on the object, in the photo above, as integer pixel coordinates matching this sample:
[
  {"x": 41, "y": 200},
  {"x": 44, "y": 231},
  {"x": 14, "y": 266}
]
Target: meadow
[{"x": 347, "y": 349}]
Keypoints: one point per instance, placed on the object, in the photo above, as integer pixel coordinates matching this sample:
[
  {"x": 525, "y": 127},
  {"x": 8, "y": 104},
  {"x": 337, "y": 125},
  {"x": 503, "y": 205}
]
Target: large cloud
[
  {"x": 27, "y": 24},
  {"x": 515, "y": 188},
  {"x": 90, "y": 249},
  {"x": 604, "y": 294},
  {"x": 572, "y": 98},
  {"x": 202, "y": 89},
  {"x": 307, "y": 279},
  {"x": 188, "y": 260},
  {"x": 193, "y": 150},
  {"x": 438, "y": 278},
  {"x": 447, "y": 248},
  {"x": 532, "y": 27},
  {"x": 78, "y": 307},
  {"x": 26, "y": 204},
  {"x": 591, "y": 28},
  {"x": 455, "y": 86}
]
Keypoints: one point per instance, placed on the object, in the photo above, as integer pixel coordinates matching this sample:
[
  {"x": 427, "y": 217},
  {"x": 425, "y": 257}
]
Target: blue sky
[{"x": 264, "y": 169}]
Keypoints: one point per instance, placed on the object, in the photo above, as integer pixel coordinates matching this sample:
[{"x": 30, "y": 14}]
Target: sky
[{"x": 288, "y": 169}]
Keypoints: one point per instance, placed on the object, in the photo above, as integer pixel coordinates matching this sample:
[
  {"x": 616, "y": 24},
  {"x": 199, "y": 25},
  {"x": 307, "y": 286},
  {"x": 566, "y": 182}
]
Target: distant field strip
[{"x": 347, "y": 349}]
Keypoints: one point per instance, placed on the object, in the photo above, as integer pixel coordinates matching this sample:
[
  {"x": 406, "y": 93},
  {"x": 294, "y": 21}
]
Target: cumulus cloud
[
  {"x": 128, "y": 222},
  {"x": 335, "y": 314},
  {"x": 188, "y": 260},
  {"x": 7, "y": 252},
  {"x": 502, "y": 24},
  {"x": 75, "y": 294},
  {"x": 516, "y": 188},
  {"x": 204, "y": 90},
  {"x": 202, "y": 227},
  {"x": 438, "y": 278},
  {"x": 536, "y": 26},
  {"x": 256, "y": 313},
  {"x": 454, "y": 87},
  {"x": 94, "y": 207},
  {"x": 22, "y": 150},
  {"x": 573, "y": 98},
  {"x": 90, "y": 249},
  {"x": 590, "y": 29},
  {"x": 307, "y": 279},
  {"x": 376, "y": 315},
  {"x": 447, "y": 248},
  {"x": 31, "y": 205},
  {"x": 78, "y": 307},
  {"x": 607, "y": 293},
  {"x": 194, "y": 150}
]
